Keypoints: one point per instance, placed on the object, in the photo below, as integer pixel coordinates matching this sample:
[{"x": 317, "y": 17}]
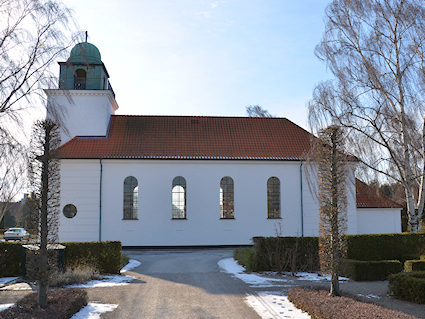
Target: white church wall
[
  {"x": 351, "y": 203},
  {"x": 80, "y": 181},
  {"x": 89, "y": 113},
  {"x": 203, "y": 226},
  {"x": 378, "y": 220},
  {"x": 310, "y": 203}
]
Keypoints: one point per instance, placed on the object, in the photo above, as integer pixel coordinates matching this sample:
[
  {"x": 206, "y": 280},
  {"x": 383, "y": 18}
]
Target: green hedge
[
  {"x": 297, "y": 254},
  {"x": 105, "y": 256},
  {"x": 385, "y": 246},
  {"x": 369, "y": 270},
  {"x": 285, "y": 254},
  {"x": 245, "y": 257},
  {"x": 10, "y": 259},
  {"x": 408, "y": 286},
  {"x": 278, "y": 253},
  {"x": 414, "y": 265}
]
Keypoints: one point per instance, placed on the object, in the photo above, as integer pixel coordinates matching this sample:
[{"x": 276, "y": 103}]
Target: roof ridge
[{"x": 209, "y": 116}]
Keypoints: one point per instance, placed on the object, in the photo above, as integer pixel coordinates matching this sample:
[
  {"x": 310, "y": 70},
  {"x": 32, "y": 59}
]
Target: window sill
[
  {"x": 224, "y": 218},
  {"x": 274, "y": 217},
  {"x": 178, "y": 218},
  {"x": 130, "y": 219}
]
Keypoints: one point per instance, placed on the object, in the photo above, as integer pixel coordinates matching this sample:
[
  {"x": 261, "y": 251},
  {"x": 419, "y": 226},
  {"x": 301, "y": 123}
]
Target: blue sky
[{"x": 192, "y": 57}]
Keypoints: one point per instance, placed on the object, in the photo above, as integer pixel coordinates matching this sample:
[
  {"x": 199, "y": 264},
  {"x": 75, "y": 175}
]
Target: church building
[{"x": 185, "y": 180}]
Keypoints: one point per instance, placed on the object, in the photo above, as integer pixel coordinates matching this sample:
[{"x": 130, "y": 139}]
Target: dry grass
[
  {"x": 62, "y": 304},
  {"x": 73, "y": 276},
  {"x": 320, "y": 305}
]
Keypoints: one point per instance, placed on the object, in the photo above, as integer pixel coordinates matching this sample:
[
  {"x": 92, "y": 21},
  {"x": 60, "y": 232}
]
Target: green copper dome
[{"x": 85, "y": 53}]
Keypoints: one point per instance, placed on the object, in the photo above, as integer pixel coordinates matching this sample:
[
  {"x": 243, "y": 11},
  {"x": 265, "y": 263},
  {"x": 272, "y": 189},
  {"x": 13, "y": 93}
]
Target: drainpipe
[
  {"x": 302, "y": 203},
  {"x": 100, "y": 201}
]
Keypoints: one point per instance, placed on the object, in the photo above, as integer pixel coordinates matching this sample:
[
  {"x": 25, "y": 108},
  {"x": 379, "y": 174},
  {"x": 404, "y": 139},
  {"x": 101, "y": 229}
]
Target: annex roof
[
  {"x": 369, "y": 197},
  {"x": 194, "y": 137}
]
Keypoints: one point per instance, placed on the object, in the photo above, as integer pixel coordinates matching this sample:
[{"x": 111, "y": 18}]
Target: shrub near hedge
[
  {"x": 369, "y": 270},
  {"x": 105, "y": 256},
  {"x": 10, "y": 259},
  {"x": 244, "y": 257},
  {"x": 286, "y": 254},
  {"x": 408, "y": 286}
]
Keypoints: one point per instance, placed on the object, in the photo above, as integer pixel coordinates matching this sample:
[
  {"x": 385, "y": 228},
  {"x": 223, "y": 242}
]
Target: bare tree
[
  {"x": 376, "y": 51},
  {"x": 12, "y": 171},
  {"x": 45, "y": 178},
  {"x": 33, "y": 35},
  {"x": 257, "y": 111},
  {"x": 329, "y": 158}
]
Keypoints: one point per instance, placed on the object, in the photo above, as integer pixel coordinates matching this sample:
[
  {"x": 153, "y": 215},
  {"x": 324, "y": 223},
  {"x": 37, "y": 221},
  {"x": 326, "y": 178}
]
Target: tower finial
[{"x": 87, "y": 35}]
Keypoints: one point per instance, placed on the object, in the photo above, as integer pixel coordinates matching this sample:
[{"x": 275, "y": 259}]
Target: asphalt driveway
[{"x": 178, "y": 284}]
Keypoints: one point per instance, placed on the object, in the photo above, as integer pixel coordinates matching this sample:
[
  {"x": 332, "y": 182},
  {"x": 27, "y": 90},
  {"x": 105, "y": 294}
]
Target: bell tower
[{"x": 84, "y": 100}]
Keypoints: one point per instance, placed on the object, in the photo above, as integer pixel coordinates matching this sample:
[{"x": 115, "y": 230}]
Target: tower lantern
[
  {"x": 84, "y": 96},
  {"x": 84, "y": 70}
]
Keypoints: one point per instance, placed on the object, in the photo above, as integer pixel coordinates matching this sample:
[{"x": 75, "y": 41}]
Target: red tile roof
[
  {"x": 190, "y": 137},
  {"x": 369, "y": 197}
]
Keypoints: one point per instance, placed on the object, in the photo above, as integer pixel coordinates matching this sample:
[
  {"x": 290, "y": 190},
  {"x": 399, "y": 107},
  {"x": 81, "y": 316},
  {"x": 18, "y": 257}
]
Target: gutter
[
  {"x": 100, "y": 200},
  {"x": 302, "y": 202}
]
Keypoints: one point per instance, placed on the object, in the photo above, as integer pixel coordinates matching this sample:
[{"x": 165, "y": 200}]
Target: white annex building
[{"x": 186, "y": 180}]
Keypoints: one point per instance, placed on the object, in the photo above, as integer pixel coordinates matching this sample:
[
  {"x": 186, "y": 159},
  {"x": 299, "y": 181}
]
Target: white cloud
[
  {"x": 214, "y": 4},
  {"x": 206, "y": 14}
]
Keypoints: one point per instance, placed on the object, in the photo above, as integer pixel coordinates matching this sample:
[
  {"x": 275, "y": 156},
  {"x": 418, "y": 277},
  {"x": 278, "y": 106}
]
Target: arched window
[
  {"x": 80, "y": 79},
  {"x": 227, "y": 198},
  {"x": 273, "y": 197},
  {"x": 131, "y": 197},
  {"x": 178, "y": 200}
]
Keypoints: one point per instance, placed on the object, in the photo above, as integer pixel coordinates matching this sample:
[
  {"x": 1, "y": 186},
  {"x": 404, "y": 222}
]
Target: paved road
[{"x": 179, "y": 285}]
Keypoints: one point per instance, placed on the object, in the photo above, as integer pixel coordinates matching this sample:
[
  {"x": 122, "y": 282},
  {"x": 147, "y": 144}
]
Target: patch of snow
[
  {"x": 229, "y": 265},
  {"x": 6, "y": 280},
  {"x": 5, "y": 306},
  {"x": 369, "y": 296},
  {"x": 131, "y": 265},
  {"x": 271, "y": 285},
  {"x": 316, "y": 277},
  {"x": 18, "y": 286},
  {"x": 272, "y": 305},
  {"x": 107, "y": 281},
  {"x": 93, "y": 311}
]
